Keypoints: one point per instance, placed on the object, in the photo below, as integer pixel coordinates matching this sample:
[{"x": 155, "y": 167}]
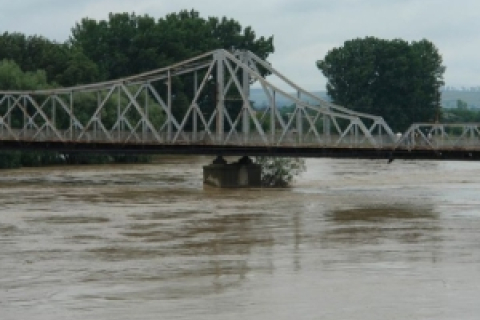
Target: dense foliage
[
  {"x": 127, "y": 44},
  {"x": 461, "y": 114},
  {"x": 279, "y": 172},
  {"x": 62, "y": 63},
  {"x": 122, "y": 45},
  {"x": 397, "y": 80}
]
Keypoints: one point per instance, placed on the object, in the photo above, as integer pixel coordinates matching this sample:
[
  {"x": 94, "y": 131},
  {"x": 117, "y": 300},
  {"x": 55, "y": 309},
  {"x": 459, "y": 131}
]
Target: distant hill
[{"x": 449, "y": 98}]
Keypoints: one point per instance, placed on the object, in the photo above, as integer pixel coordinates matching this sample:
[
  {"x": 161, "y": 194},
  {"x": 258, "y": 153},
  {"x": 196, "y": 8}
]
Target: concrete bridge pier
[{"x": 240, "y": 174}]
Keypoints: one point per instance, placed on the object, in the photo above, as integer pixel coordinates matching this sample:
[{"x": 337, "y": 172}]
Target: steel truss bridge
[{"x": 202, "y": 106}]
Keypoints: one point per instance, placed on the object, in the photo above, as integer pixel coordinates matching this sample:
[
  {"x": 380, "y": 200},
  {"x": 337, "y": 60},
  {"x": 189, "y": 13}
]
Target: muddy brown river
[{"x": 352, "y": 239}]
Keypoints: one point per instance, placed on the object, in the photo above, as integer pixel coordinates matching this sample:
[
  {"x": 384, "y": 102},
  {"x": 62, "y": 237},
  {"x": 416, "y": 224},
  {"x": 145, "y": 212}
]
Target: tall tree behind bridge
[
  {"x": 397, "y": 80},
  {"x": 128, "y": 44}
]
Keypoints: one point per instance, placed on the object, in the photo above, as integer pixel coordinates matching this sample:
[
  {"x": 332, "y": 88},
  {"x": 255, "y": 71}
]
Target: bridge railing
[{"x": 417, "y": 137}]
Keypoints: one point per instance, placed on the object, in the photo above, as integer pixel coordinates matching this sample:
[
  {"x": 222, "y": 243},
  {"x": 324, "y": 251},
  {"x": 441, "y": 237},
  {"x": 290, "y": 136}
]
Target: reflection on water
[
  {"x": 372, "y": 225},
  {"x": 384, "y": 214},
  {"x": 352, "y": 239},
  {"x": 384, "y": 234}
]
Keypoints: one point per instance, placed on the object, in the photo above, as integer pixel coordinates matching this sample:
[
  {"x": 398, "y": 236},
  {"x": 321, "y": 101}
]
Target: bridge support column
[{"x": 241, "y": 174}]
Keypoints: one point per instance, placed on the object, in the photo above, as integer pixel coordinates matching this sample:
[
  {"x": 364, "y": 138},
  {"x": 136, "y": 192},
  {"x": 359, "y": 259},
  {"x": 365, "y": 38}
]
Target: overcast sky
[{"x": 304, "y": 30}]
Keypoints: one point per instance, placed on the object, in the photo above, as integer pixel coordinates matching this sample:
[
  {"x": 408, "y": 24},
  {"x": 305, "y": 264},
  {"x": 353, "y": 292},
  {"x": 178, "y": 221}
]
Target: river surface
[{"x": 352, "y": 239}]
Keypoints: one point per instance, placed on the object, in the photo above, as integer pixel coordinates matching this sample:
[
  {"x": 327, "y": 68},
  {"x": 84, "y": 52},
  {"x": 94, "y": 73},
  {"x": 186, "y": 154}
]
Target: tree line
[{"x": 461, "y": 114}]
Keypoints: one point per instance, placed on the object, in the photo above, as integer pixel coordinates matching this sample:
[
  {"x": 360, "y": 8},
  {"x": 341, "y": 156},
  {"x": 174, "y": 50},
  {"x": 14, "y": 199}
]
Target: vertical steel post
[
  {"x": 356, "y": 134},
  {"x": 169, "y": 107},
  {"x": 119, "y": 115},
  {"x": 25, "y": 118},
  {"x": 9, "y": 119},
  {"x": 220, "y": 97},
  {"x": 72, "y": 124},
  {"x": 54, "y": 112},
  {"x": 194, "y": 111},
  {"x": 144, "y": 120},
  {"x": 97, "y": 116},
  {"x": 48, "y": 115},
  {"x": 2, "y": 121},
  {"x": 472, "y": 135},
  {"x": 380, "y": 136},
  {"x": 3, "y": 124},
  {"x": 246, "y": 92},
  {"x": 273, "y": 112},
  {"x": 327, "y": 128},
  {"x": 299, "y": 120}
]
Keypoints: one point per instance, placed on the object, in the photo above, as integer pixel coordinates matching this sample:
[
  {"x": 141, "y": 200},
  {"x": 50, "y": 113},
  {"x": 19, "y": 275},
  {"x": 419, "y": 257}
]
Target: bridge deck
[{"x": 388, "y": 153}]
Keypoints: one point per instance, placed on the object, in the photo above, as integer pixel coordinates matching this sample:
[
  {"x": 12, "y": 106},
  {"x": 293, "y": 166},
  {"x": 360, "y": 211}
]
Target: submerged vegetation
[{"x": 280, "y": 172}]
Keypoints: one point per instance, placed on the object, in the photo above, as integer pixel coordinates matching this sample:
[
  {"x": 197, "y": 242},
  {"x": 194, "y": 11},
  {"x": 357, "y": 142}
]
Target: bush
[{"x": 279, "y": 172}]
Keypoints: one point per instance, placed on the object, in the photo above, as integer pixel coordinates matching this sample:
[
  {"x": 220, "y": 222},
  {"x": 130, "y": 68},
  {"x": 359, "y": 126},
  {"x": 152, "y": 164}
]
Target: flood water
[{"x": 353, "y": 239}]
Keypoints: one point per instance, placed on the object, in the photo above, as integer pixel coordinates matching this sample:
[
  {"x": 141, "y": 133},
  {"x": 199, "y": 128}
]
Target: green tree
[
  {"x": 127, "y": 44},
  {"x": 397, "y": 80},
  {"x": 462, "y": 104},
  {"x": 13, "y": 78},
  {"x": 62, "y": 63},
  {"x": 465, "y": 115}
]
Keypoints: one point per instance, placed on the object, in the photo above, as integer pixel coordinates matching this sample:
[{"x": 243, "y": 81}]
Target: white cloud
[{"x": 304, "y": 30}]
